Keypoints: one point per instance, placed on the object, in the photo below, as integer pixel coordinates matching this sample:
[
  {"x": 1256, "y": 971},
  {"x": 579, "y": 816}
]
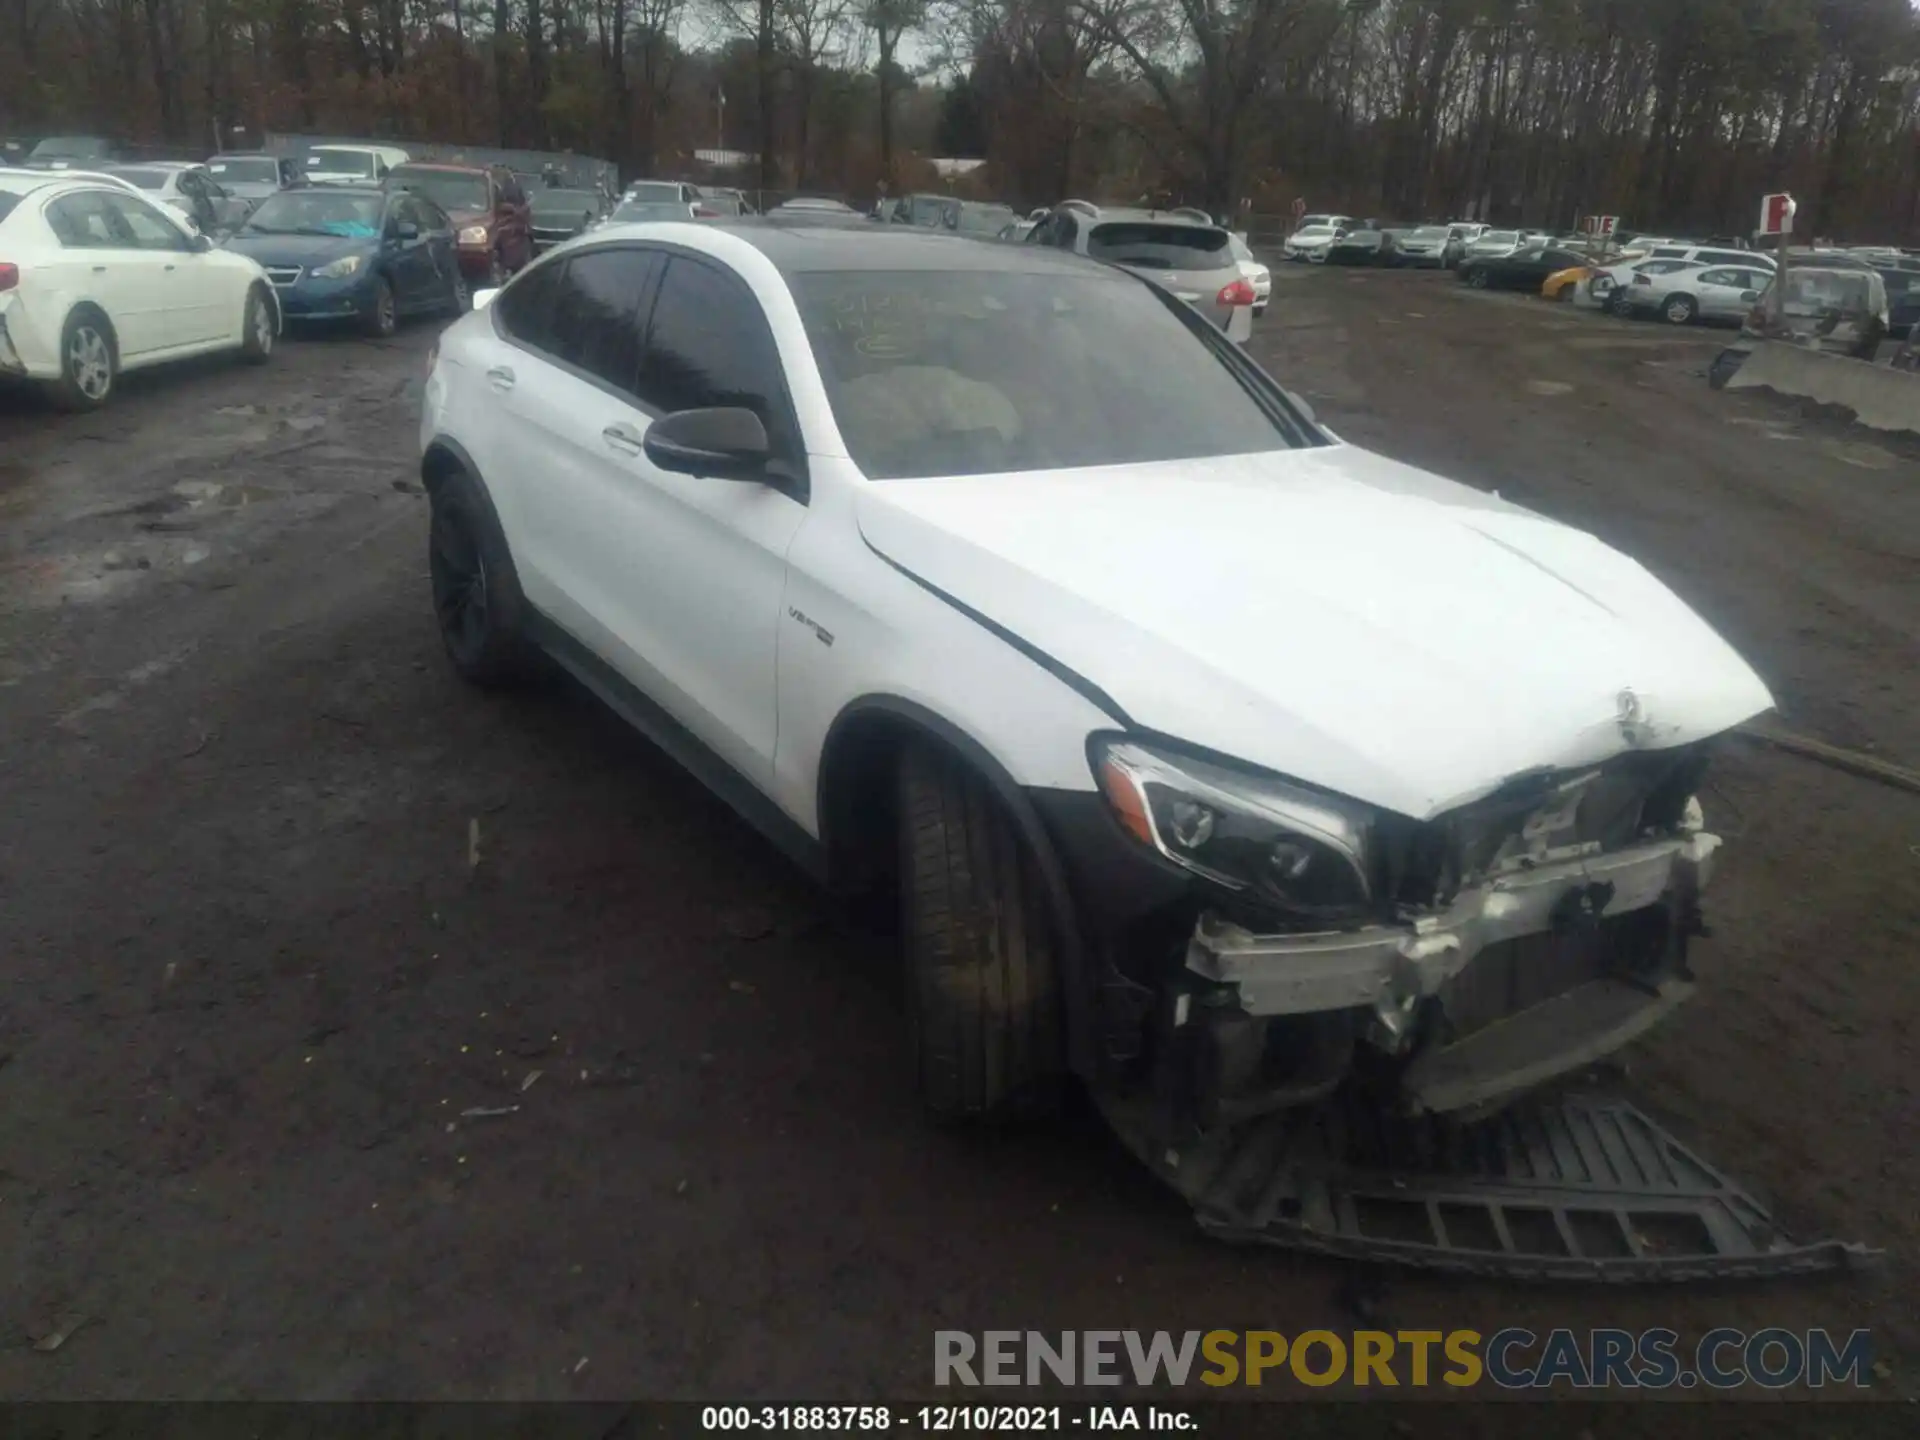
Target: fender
[{"x": 1077, "y": 981}]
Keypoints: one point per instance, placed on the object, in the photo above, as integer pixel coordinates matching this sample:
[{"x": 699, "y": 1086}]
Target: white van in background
[{"x": 352, "y": 164}]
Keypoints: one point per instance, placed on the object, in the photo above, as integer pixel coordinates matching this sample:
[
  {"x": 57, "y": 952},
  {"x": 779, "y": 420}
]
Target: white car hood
[{"x": 1328, "y": 614}]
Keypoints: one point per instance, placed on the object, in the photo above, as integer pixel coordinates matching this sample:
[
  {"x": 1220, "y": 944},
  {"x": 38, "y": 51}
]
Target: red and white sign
[
  {"x": 1776, "y": 214},
  {"x": 1600, "y": 224}
]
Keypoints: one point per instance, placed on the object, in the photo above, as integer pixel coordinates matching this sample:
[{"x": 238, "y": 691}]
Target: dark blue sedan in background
[{"x": 337, "y": 252}]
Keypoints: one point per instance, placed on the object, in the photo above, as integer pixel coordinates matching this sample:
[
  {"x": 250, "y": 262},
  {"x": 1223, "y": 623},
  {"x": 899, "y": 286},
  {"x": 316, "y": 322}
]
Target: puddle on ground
[{"x": 39, "y": 582}]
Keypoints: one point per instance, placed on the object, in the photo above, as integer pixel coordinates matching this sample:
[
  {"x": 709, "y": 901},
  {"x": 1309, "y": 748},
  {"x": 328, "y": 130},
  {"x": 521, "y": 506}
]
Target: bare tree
[{"x": 890, "y": 20}]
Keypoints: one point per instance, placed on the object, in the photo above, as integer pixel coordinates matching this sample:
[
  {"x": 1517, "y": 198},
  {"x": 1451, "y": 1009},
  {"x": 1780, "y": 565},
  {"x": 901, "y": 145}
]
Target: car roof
[
  {"x": 449, "y": 166},
  {"x": 20, "y": 181},
  {"x": 1136, "y": 213},
  {"x": 796, "y": 248}
]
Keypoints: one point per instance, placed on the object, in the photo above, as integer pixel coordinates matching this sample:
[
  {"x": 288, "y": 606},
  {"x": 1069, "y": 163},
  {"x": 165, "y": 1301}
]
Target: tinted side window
[
  {"x": 525, "y": 308},
  {"x": 709, "y": 345},
  {"x": 1065, "y": 227},
  {"x": 596, "y": 314}
]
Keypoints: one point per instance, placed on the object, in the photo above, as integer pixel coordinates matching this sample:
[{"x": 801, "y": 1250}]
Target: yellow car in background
[{"x": 1562, "y": 283}]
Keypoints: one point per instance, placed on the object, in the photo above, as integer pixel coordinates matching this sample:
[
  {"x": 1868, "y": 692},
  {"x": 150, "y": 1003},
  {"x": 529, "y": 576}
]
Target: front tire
[
  {"x": 476, "y": 592},
  {"x": 1477, "y": 279},
  {"x": 256, "y": 328},
  {"x": 459, "y": 298},
  {"x": 384, "y": 318},
  {"x": 983, "y": 992},
  {"x": 89, "y": 361},
  {"x": 1680, "y": 310}
]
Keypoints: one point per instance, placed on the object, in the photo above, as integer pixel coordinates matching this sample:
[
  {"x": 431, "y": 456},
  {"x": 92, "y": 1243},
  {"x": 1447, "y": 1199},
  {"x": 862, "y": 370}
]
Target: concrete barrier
[{"x": 1880, "y": 398}]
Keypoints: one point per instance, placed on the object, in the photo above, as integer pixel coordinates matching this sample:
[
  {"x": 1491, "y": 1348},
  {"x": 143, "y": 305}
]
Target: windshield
[
  {"x": 341, "y": 162},
  {"x": 315, "y": 212},
  {"x": 1159, "y": 247},
  {"x": 564, "y": 204},
  {"x": 246, "y": 172},
  {"x": 653, "y": 191},
  {"x": 451, "y": 190},
  {"x": 984, "y": 372},
  {"x": 145, "y": 179},
  {"x": 1499, "y": 237},
  {"x": 1312, "y": 232},
  {"x": 1431, "y": 232},
  {"x": 68, "y": 147}
]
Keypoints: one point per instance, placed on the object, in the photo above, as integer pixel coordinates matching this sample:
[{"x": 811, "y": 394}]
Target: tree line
[{"x": 1669, "y": 113}]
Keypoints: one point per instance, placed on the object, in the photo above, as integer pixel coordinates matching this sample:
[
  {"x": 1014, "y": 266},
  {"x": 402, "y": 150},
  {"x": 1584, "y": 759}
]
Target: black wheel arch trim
[{"x": 1077, "y": 972}]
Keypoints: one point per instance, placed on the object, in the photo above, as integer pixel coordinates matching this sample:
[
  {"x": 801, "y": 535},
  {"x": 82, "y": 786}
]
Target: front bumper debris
[
  {"x": 1586, "y": 1190},
  {"x": 1388, "y": 967}
]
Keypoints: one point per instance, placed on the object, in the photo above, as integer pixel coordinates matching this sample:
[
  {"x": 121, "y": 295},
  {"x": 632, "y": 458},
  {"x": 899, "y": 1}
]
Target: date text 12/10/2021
[{"x": 942, "y": 1419}]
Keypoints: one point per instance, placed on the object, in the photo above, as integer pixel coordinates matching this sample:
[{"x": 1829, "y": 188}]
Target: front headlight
[
  {"x": 1281, "y": 843},
  {"x": 473, "y": 235},
  {"x": 339, "y": 269}
]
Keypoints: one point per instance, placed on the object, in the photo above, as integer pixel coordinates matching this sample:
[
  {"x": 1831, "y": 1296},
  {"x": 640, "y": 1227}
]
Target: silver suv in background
[{"x": 1192, "y": 259}]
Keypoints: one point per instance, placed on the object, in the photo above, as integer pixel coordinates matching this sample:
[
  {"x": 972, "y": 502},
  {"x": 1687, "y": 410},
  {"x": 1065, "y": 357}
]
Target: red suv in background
[{"x": 492, "y": 221}]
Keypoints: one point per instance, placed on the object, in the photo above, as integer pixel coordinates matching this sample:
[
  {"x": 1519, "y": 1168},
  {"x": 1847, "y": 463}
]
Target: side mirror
[
  {"x": 1750, "y": 296},
  {"x": 202, "y": 242},
  {"x": 407, "y": 230},
  {"x": 728, "y": 443},
  {"x": 483, "y": 298}
]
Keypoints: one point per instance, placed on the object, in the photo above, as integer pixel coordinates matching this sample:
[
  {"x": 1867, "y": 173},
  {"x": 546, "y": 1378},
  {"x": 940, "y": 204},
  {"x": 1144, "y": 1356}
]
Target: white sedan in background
[
  {"x": 1254, "y": 273},
  {"x": 1693, "y": 292},
  {"x": 97, "y": 280},
  {"x": 1311, "y": 243}
]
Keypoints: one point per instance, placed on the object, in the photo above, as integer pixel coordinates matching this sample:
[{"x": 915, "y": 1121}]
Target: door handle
[
  {"x": 169, "y": 267},
  {"x": 500, "y": 377},
  {"x": 99, "y": 269},
  {"x": 623, "y": 438}
]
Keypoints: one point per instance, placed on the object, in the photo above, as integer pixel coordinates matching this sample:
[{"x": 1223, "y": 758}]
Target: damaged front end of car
[{"x": 1337, "y": 973}]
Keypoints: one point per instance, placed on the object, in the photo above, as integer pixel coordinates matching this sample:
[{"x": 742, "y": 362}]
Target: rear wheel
[
  {"x": 983, "y": 991},
  {"x": 1680, "y": 309},
  {"x": 89, "y": 361},
  {"x": 1477, "y": 279}
]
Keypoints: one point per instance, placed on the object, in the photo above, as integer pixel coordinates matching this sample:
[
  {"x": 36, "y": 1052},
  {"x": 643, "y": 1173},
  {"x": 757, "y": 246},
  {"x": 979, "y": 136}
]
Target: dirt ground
[{"x": 256, "y": 984}]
